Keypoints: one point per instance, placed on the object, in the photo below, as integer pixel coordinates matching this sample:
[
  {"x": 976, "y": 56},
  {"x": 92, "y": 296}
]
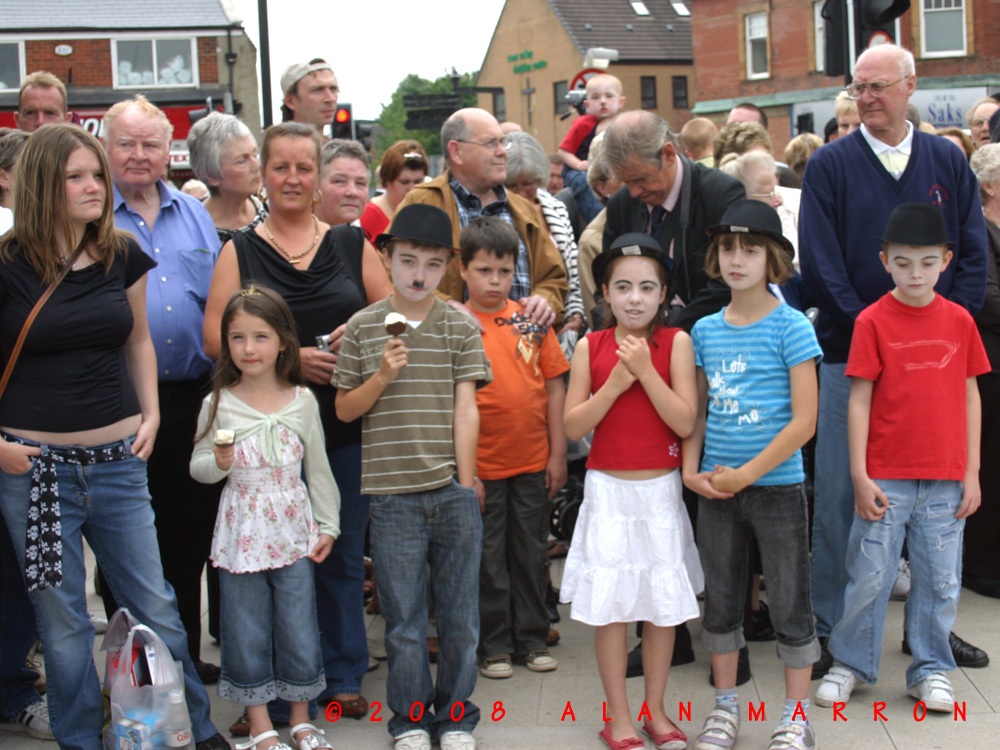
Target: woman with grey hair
[
  {"x": 224, "y": 157},
  {"x": 527, "y": 175},
  {"x": 343, "y": 182},
  {"x": 981, "y": 564}
]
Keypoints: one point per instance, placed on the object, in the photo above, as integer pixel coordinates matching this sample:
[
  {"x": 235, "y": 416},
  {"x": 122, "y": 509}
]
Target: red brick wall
[{"x": 90, "y": 62}]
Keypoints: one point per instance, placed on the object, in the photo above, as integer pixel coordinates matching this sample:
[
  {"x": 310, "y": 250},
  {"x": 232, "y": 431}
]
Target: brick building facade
[{"x": 772, "y": 53}]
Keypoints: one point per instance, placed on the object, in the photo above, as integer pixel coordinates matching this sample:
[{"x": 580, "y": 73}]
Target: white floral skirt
[{"x": 633, "y": 555}]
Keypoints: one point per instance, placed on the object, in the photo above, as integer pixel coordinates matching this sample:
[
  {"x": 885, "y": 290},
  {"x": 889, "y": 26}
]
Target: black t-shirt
[
  {"x": 321, "y": 298},
  {"x": 71, "y": 374}
]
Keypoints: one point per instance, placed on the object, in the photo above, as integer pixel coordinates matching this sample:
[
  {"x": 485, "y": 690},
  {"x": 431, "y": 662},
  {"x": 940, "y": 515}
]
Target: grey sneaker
[
  {"x": 33, "y": 720},
  {"x": 720, "y": 730},
  {"x": 793, "y": 737}
]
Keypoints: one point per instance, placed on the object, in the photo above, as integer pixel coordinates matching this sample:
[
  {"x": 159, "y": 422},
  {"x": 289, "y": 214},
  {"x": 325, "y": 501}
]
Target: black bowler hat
[
  {"x": 915, "y": 224},
  {"x": 750, "y": 216},
  {"x": 633, "y": 243},
  {"x": 421, "y": 225}
]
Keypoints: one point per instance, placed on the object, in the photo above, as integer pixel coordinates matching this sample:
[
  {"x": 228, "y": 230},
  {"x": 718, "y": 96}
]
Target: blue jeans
[
  {"x": 777, "y": 516},
  {"x": 833, "y": 510},
  {"x": 270, "y": 637},
  {"x": 109, "y": 505},
  {"x": 17, "y": 632},
  {"x": 442, "y": 527},
  {"x": 340, "y": 581},
  {"x": 923, "y": 512}
]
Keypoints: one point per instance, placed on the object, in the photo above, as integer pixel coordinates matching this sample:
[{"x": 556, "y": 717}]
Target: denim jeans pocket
[
  {"x": 26, "y": 472},
  {"x": 380, "y": 501}
]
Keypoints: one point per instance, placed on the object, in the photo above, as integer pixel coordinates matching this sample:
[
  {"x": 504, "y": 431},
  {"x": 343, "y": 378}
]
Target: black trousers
[
  {"x": 982, "y": 528},
  {"x": 185, "y": 509}
]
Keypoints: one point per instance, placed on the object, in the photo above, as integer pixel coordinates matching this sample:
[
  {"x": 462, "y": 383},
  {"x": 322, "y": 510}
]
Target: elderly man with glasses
[
  {"x": 849, "y": 190},
  {"x": 475, "y": 151}
]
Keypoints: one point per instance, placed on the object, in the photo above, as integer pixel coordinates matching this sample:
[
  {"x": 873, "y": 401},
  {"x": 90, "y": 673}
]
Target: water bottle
[{"x": 174, "y": 730}]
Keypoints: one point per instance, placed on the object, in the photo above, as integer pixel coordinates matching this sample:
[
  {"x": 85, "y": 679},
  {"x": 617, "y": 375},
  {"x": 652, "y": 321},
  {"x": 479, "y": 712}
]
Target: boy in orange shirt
[{"x": 521, "y": 460}]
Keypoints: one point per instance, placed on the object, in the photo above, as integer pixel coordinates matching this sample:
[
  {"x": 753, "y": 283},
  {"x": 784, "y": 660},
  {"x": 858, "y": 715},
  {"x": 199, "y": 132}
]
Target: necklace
[{"x": 293, "y": 259}]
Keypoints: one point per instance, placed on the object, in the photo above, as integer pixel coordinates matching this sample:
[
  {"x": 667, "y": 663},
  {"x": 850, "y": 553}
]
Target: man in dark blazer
[{"x": 673, "y": 199}]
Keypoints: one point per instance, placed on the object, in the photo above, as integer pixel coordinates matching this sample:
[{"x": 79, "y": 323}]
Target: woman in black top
[
  {"x": 78, "y": 421},
  {"x": 325, "y": 275}
]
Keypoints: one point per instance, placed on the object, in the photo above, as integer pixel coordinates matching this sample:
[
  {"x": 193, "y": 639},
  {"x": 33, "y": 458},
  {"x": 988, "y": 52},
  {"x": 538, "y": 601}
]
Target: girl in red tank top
[{"x": 633, "y": 557}]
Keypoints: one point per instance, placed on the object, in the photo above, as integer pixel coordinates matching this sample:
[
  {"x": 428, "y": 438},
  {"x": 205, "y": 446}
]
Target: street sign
[
  {"x": 438, "y": 101},
  {"x": 428, "y": 119},
  {"x": 580, "y": 79}
]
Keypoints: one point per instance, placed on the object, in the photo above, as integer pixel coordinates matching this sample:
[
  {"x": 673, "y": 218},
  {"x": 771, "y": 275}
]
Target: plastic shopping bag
[{"x": 146, "y": 690}]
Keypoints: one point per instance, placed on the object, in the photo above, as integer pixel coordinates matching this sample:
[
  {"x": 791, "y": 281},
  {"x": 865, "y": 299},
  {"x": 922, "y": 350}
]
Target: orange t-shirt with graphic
[{"x": 513, "y": 408}]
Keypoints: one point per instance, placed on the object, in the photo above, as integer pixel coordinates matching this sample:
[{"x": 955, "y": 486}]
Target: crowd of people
[{"x": 278, "y": 378}]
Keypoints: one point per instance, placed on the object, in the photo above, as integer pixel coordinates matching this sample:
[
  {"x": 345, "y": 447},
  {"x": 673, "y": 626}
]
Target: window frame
[
  {"x": 21, "y": 66},
  {"x": 748, "y": 42},
  {"x": 116, "y": 83},
  {"x": 559, "y": 91},
  {"x": 924, "y": 26},
  {"x": 500, "y": 113},
  {"x": 648, "y": 99},
  {"x": 675, "y": 98},
  {"x": 819, "y": 37}
]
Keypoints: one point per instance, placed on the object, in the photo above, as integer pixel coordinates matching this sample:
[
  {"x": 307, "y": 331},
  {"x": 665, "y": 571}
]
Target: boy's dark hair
[
  {"x": 779, "y": 262},
  {"x": 491, "y": 234}
]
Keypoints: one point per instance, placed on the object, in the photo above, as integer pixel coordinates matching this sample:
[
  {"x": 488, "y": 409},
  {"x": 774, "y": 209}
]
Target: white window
[
  {"x": 639, "y": 7},
  {"x": 680, "y": 8},
  {"x": 943, "y": 27},
  {"x": 155, "y": 63},
  {"x": 11, "y": 66},
  {"x": 756, "y": 45},
  {"x": 819, "y": 34}
]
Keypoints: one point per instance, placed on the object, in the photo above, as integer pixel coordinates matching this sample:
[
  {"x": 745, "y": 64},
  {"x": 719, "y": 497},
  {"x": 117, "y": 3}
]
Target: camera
[
  {"x": 575, "y": 99},
  {"x": 323, "y": 343}
]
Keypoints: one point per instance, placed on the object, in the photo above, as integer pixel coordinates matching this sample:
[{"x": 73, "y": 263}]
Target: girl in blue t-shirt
[{"x": 757, "y": 394}]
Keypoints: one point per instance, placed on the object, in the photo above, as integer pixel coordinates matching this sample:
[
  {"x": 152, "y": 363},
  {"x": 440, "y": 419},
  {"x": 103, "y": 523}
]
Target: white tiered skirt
[{"x": 633, "y": 556}]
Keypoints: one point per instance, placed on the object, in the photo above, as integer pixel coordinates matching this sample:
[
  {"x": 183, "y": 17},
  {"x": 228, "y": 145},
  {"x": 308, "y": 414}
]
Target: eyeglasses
[
  {"x": 765, "y": 196},
  {"x": 491, "y": 144},
  {"x": 982, "y": 122},
  {"x": 875, "y": 88}
]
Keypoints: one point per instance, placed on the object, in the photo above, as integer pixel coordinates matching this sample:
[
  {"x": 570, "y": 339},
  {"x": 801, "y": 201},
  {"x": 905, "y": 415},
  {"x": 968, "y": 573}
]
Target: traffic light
[
  {"x": 363, "y": 132},
  {"x": 343, "y": 122},
  {"x": 876, "y": 21}
]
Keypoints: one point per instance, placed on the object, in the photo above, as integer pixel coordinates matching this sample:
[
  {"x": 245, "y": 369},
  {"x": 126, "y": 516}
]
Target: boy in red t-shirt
[
  {"x": 521, "y": 460},
  {"x": 913, "y": 431}
]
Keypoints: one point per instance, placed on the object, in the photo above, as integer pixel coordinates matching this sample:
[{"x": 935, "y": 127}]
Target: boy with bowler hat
[
  {"x": 410, "y": 365},
  {"x": 913, "y": 433}
]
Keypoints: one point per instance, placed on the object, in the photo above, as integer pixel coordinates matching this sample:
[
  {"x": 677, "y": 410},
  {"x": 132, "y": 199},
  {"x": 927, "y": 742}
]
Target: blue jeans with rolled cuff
[{"x": 778, "y": 517}]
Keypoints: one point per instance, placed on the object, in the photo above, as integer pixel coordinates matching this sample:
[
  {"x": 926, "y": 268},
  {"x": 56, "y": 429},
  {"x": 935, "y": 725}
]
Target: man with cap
[
  {"x": 671, "y": 198},
  {"x": 851, "y": 187},
  {"x": 473, "y": 185},
  {"x": 310, "y": 93}
]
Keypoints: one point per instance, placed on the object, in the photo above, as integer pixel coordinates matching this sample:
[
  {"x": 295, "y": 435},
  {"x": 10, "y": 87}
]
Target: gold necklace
[{"x": 293, "y": 259}]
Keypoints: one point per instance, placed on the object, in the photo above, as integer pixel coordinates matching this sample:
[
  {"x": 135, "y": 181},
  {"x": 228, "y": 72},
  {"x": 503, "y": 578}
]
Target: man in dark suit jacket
[{"x": 674, "y": 200}]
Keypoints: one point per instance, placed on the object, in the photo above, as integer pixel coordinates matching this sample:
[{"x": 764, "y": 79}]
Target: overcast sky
[{"x": 373, "y": 45}]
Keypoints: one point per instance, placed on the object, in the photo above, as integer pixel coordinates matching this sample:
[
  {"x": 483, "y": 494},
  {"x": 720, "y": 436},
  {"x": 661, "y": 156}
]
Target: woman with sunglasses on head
[{"x": 403, "y": 167}]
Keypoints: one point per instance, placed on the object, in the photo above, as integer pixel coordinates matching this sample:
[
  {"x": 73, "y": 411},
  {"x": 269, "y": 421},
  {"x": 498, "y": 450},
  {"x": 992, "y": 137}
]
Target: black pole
[{"x": 265, "y": 61}]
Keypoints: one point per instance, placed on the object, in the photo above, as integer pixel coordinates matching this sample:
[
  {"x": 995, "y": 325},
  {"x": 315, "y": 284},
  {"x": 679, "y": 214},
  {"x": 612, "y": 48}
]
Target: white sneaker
[
  {"x": 416, "y": 739},
  {"x": 33, "y": 720},
  {"x": 901, "y": 588},
  {"x": 837, "y": 686},
  {"x": 936, "y": 693},
  {"x": 537, "y": 661},
  {"x": 458, "y": 741}
]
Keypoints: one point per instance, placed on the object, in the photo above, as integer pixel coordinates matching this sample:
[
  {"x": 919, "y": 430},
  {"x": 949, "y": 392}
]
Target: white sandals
[{"x": 314, "y": 741}]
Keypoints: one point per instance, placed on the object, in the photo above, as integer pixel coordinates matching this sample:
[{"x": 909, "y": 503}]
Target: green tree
[{"x": 392, "y": 121}]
